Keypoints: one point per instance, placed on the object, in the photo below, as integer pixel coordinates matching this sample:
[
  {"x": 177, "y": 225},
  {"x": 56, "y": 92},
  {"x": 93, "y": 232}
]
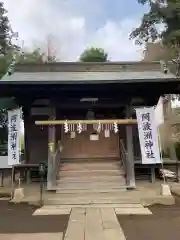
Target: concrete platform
[{"x": 145, "y": 193}]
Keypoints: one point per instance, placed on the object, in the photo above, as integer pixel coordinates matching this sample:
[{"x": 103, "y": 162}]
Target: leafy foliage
[
  {"x": 5, "y": 30},
  {"x": 165, "y": 12},
  {"x": 35, "y": 56},
  {"x": 30, "y": 57},
  {"x": 94, "y": 55}
]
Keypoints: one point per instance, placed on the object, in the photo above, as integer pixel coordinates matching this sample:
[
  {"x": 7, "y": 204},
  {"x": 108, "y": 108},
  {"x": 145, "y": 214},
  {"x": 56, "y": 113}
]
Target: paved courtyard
[
  {"x": 18, "y": 223},
  {"x": 23, "y": 221}
]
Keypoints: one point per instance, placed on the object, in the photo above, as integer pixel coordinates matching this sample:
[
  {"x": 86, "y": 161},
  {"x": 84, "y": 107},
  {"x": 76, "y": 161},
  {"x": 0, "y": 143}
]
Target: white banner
[
  {"x": 148, "y": 135},
  {"x": 14, "y": 119}
]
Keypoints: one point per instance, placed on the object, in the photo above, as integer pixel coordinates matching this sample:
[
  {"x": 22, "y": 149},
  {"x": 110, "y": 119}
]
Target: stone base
[
  {"x": 131, "y": 186},
  {"x": 165, "y": 190},
  {"x": 18, "y": 194},
  {"x": 162, "y": 200}
]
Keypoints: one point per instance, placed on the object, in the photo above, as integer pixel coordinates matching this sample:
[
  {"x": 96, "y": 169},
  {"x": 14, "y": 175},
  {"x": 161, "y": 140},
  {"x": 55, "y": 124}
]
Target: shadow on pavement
[{"x": 17, "y": 218}]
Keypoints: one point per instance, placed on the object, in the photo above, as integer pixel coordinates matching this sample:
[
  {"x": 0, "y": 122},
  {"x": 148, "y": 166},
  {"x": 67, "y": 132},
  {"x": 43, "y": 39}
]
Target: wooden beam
[{"x": 104, "y": 121}]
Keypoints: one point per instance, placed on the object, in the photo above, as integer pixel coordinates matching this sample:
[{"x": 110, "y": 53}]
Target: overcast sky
[{"x": 77, "y": 24}]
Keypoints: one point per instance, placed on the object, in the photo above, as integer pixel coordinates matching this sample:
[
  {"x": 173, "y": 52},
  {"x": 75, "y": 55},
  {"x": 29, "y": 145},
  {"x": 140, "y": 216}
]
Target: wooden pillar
[
  {"x": 51, "y": 174},
  {"x": 178, "y": 171},
  {"x": 26, "y": 112},
  {"x": 172, "y": 149},
  {"x": 153, "y": 174},
  {"x": 130, "y": 153}
]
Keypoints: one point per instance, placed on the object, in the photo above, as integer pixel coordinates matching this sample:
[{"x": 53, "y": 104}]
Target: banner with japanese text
[
  {"x": 14, "y": 125},
  {"x": 148, "y": 135}
]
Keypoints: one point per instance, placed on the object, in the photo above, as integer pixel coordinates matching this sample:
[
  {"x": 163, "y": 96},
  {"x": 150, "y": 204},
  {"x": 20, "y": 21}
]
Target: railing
[
  {"x": 57, "y": 160},
  {"x": 123, "y": 154}
]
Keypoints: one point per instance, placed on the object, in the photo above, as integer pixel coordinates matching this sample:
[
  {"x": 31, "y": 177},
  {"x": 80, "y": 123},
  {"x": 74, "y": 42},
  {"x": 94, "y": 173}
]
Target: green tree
[
  {"x": 6, "y": 46},
  {"x": 165, "y": 12},
  {"x": 94, "y": 55},
  {"x": 5, "y": 30},
  {"x": 35, "y": 56}
]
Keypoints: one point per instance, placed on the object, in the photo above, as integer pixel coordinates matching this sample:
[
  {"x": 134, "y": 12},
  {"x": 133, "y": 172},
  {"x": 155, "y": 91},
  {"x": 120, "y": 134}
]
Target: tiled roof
[
  {"x": 65, "y": 77},
  {"x": 88, "y": 73}
]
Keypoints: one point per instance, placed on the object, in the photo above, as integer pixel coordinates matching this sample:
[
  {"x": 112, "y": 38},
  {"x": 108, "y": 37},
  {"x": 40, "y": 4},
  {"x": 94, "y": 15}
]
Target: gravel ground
[
  {"x": 163, "y": 224},
  {"x": 17, "y": 218}
]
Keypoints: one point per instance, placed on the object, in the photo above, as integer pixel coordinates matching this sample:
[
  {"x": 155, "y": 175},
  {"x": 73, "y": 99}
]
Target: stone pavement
[
  {"x": 120, "y": 209},
  {"x": 92, "y": 222},
  {"x": 32, "y": 236}
]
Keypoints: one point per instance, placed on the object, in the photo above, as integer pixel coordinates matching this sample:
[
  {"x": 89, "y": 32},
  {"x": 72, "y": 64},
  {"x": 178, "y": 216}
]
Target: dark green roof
[
  {"x": 64, "y": 77},
  {"x": 88, "y": 73}
]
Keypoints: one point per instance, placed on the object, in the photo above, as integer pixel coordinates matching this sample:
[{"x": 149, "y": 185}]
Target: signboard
[
  {"x": 148, "y": 135},
  {"x": 14, "y": 119}
]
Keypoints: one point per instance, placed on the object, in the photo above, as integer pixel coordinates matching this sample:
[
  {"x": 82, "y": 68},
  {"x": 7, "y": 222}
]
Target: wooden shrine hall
[{"x": 79, "y": 118}]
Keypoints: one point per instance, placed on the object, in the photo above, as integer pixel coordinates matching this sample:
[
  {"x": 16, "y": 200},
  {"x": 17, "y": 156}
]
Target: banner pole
[
  {"x": 159, "y": 118},
  {"x": 160, "y": 152}
]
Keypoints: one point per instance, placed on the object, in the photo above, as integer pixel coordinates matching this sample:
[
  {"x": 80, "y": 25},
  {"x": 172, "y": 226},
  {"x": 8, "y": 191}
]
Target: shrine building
[{"x": 79, "y": 118}]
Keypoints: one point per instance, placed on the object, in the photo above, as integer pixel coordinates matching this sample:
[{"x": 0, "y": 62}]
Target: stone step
[
  {"x": 90, "y": 185},
  {"x": 90, "y": 173},
  {"x": 132, "y": 211},
  {"x": 90, "y": 202},
  {"x": 89, "y": 179},
  {"x": 43, "y": 211},
  {"x": 90, "y": 166},
  {"x": 91, "y": 190},
  {"x": 110, "y": 162},
  {"x": 117, "y": 194},
  {"x": 90, "y": 160},
  {"x": 67, "y": 207}
]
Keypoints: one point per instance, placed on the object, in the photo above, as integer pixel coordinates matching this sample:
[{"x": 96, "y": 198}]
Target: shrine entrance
[
  {"x": 64, "y": 91},
  {"x": 86, "y": 140},
  {"x": 90, "y": 144}
]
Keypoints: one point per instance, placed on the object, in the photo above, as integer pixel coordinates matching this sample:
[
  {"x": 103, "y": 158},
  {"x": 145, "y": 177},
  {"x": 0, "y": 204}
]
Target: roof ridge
[{"x": 87, "y": 67}]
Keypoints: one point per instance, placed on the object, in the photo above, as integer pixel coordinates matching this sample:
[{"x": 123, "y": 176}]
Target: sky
[{"x": 74, "y": 25}]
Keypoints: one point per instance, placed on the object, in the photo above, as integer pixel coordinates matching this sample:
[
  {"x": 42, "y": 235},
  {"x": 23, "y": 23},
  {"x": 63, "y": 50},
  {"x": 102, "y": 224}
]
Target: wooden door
[{"x": 82, "y": 147}]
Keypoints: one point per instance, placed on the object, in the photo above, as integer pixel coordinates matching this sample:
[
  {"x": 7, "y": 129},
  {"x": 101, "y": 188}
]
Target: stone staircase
[{"x": 93, "y": 182}]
